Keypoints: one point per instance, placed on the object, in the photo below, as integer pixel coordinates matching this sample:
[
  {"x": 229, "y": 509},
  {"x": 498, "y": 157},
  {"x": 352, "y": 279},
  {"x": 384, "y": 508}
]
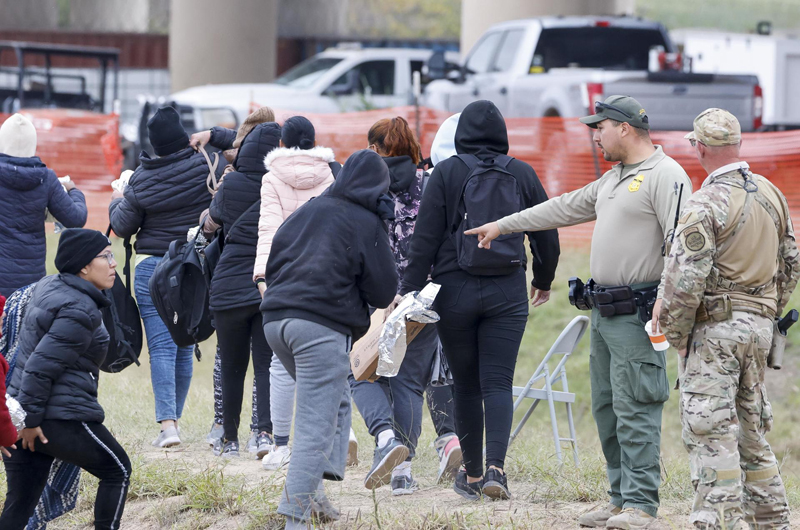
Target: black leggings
[
  {"x": 236, "y": 328},
  {"x": 482, "y": 322},
  {"x": 87, "y": 445}
]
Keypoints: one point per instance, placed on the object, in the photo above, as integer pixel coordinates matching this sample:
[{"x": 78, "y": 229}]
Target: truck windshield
[
  {"x": 306, "y": 73},
  {"x": 608, "y": 48}
]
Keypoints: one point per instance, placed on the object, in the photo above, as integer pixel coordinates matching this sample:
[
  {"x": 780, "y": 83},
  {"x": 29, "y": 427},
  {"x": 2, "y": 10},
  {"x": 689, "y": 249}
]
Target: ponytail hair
[{"x": 393, "y": 137}]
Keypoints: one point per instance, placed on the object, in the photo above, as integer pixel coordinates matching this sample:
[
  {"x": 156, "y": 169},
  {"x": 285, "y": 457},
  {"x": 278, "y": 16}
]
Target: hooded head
[
  {"x": 362, "y": 180},
  {"x": 481, "y": 130},
  {"x": 261, "y": 115},
  {"x": 254, "y": 147},
  {"x": 298, "y": 133},
  {"x": 166, "y": 132},
  {"x": 444, "y": 144},
  {"x": 18, "y": 137}
]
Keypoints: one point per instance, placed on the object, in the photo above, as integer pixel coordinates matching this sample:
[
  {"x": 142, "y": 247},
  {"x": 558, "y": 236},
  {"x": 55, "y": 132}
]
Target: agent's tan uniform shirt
[{"x": 634, "y": 209}]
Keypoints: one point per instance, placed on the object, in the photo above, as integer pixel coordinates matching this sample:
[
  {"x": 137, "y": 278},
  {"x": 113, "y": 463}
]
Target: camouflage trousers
[{"x": 725, "y": 414}]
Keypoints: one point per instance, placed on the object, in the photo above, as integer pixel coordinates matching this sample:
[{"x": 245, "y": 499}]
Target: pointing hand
[{"x": 486, "y": 234}]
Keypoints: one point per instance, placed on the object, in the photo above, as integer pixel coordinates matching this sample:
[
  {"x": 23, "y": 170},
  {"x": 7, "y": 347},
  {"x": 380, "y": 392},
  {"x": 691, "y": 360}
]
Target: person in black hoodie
[
  {"x": 163, "y": 200},
  {"x": 482, "y": 317},
  {"x": 330, "y": 260},
  {"x": 62, "y": 343},
  {"x": 235, "y": 299},
  {"x": 392, "y": 406}
]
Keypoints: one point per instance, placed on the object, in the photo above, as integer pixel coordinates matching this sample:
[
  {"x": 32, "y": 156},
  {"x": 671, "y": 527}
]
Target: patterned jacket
[{"x": 406, "y": 191}]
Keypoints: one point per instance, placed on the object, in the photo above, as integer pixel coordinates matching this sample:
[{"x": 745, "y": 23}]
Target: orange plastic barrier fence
[{"x": 563, "y": 154}]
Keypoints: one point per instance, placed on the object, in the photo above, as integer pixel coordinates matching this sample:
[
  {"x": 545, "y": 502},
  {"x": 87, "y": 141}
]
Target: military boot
[
  {"x": 598, "y": 518},
  {"x": 630, "y": 518}
]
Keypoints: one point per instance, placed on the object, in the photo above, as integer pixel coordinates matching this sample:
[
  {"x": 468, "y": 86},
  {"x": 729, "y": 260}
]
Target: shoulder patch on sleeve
[{"x": 694, "y": 239}]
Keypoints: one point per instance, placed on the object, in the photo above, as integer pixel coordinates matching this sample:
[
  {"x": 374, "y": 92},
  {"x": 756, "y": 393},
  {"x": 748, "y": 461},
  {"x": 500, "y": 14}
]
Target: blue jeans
[{"x": 170, "y": 366}]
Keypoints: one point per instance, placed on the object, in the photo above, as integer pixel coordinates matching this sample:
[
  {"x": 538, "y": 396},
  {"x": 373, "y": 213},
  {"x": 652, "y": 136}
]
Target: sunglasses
[
  {"x": 599, "y": 106},
  {"x": 108, "y": 256}
]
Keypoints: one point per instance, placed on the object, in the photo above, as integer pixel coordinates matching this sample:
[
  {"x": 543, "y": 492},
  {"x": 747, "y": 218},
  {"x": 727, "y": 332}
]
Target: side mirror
[
  {"x": 346, "y": 86},
  {"x": 437, "y": 66}
]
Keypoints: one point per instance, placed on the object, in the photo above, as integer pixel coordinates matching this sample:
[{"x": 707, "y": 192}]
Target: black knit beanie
[
  {"x": 167, "y": 135},
  {"x": 298, "y": 132},
  {"x": 77, "y": 247}
]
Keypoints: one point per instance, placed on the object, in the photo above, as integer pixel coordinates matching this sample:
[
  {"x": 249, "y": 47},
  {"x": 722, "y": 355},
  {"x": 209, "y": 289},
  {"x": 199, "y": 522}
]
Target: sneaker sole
[
  {"x": 403, "y": 491},
  {"x": 352, "y": 453},
  {"x": 261, "y": 453},
  {"x": 450, "y": 469},
  {"x": 169, "y": 442},
  {"x": 467, "y": 494},
  {"x": 496, "y": 491},
  {"x": 382, "y": 474},
  {"x": 274, "y": 467}
]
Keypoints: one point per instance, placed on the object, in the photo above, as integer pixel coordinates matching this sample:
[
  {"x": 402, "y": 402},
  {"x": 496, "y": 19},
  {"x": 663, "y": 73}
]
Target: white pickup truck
[
  {"x": 336, "y": 80},
  {"x": 560, "y": 66}
]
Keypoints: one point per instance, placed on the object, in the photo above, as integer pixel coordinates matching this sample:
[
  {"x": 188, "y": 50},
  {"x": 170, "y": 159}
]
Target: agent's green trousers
[{"x": 629, "y": 388}]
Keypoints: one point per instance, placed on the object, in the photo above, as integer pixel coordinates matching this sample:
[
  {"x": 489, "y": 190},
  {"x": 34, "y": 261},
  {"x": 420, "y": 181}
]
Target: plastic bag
[
  {"x": 414, "y": 307},
  {"x": 16, "y": 412}
]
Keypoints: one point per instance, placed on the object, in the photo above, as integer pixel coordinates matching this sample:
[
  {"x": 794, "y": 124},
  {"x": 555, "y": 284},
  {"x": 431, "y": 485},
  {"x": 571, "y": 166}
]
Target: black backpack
[
  {"x": 180, "y": 293},
  {"x": 122, "y": 320},
  {"x": 489, "y": 192}
]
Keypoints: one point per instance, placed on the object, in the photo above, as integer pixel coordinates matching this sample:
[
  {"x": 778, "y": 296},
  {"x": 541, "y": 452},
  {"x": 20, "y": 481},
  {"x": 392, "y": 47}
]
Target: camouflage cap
[
  {"x": 716, "y": 127},
  {"x": 618, "y": 108}
]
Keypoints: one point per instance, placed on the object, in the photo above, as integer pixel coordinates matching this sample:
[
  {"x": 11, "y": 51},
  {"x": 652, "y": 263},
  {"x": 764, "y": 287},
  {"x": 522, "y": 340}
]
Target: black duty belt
[{"x": 613, "y": 301}]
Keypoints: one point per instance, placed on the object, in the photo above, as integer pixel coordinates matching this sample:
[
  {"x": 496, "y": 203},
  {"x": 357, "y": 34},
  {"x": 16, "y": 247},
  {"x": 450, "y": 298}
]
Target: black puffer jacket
[
  {"x": 240, "y": 194},
  {"x": 331, "y": 258},
  {"x": 163, "y": 200},
  {"x": 61, "y": 346},
  {"x": 481, "y": 132}
]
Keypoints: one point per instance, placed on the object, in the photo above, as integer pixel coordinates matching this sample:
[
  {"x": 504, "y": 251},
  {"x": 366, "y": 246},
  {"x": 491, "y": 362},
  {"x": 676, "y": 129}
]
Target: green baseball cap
[{"x": 619, "y": 108}]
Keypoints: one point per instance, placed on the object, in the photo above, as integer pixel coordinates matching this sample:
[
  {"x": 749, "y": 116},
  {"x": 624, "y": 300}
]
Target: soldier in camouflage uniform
[{"x": 733, "y": 265}]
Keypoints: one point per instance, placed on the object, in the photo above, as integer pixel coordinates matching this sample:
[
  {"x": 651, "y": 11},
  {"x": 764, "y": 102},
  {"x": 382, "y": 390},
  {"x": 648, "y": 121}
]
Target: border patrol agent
[
  {"x": 734, "y": 263},
  {"x": 634, "y": 204}
]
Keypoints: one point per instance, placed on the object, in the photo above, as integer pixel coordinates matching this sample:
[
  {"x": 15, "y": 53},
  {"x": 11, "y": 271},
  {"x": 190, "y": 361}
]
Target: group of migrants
[{"x": 313, "y": 247}]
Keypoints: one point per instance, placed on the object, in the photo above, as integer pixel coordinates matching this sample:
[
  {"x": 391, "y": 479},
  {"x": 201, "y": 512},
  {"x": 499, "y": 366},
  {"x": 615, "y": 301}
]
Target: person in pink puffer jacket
[{"x": 297, "y": 172}]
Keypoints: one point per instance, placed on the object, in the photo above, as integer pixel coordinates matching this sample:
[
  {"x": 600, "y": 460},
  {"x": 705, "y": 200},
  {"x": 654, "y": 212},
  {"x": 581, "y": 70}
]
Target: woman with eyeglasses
[{"x": 63, "y": 342}]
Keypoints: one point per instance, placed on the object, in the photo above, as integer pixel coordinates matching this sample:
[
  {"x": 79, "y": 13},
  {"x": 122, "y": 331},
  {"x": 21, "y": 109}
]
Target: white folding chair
[{"x": 564, "y": 346}]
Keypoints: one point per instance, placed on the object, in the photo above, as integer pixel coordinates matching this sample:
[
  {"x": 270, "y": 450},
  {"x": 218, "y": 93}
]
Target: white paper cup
[{"x": 657, "y": 338}]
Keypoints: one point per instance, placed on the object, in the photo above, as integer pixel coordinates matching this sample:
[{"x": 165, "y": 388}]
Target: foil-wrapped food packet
[
  {"x": 414, "y": 307},
  {"x": 17, "y": 413}
]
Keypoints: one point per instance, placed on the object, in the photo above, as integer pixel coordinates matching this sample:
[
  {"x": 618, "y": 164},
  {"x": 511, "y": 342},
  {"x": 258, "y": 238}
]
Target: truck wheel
[{"x": 552, "y": 113}]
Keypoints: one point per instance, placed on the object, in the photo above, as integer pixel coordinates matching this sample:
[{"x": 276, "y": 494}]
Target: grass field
[{"x": 188, "y": 488}]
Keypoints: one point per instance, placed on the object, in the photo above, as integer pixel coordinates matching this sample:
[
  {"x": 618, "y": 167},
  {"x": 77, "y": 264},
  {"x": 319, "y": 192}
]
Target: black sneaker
[
  {"x": 264, "y": 444},
  {"x": 226, "y": 449},
  {"x": 385, "y": 460},
  {"x": 469, "y": 491},
  {"x": 404, "y": 485},
  {"x": 495, "y": 485}
]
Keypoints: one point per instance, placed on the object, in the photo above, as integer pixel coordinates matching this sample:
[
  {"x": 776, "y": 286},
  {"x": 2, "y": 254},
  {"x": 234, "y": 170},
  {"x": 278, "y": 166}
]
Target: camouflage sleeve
[
  {"x": 685, "y": 273},
  {"x": 791, "y": 265}
]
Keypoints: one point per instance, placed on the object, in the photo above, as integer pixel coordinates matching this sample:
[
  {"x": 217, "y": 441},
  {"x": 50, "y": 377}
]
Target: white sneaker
[
  {"x": 167, "y": 438},
  {"x": 277, "y": 458},
  {"x": 352, "y": 450}
]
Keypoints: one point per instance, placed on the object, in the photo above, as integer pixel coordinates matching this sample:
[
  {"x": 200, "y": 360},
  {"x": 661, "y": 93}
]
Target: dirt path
[{"x": 433, "y": 506}]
